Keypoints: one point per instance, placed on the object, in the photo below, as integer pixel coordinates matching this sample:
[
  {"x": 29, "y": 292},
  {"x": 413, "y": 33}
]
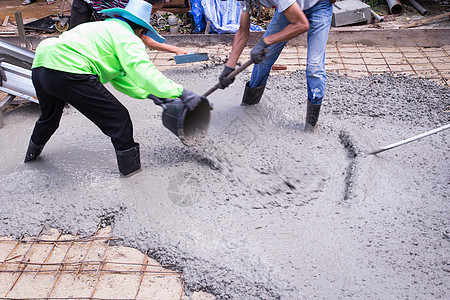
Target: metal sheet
[
  {"x": 16, "y": 55},
  {"x": 18, "y": 82}
]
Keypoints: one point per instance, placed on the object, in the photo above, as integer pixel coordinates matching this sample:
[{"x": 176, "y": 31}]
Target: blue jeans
[{"x": 319, "y": 17}]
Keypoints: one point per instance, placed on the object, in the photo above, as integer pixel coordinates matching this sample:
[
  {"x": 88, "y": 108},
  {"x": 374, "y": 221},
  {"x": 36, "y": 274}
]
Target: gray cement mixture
[{"x": 260, "y": 209}]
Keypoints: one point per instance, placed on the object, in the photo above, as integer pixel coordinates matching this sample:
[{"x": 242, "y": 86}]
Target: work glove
[
  {"x": 224, "y": 82},
  {"x": 160, "y": 101},
  {"x": 258, "y": 52},
  {"x": 191, "y": 99},
  {"x": 2, "y": 73}
]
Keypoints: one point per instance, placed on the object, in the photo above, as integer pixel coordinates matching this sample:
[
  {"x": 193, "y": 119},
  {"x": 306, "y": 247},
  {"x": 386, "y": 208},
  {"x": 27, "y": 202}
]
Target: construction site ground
[
  {"x": 56, "y": 265},
  {"x": 64, "y": 266}
]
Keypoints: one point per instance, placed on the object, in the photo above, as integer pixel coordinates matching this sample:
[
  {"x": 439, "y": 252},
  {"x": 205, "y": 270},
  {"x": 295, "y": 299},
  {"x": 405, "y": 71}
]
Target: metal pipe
[
  {"x": 395, "y": 6},
  {"x": 419, "y": 7},
  {"x": 377, "y": 16},
  {"x": 21, "y": 29},
  {"x": 417, "y": 137},
  {"x": 16, "y": 55}
]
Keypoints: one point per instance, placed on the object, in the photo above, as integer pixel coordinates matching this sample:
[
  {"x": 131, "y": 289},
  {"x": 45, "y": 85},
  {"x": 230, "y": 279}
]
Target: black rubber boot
[
  {"x": 129, "y": 161},
  {"x": 33, "y": 152},
  {"x": 312, "y": 115},
  {"x": 252, "y": 96}
]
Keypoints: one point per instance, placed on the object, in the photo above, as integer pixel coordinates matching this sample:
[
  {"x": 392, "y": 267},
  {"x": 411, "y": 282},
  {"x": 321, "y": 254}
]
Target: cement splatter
[
  {"x": 351, "y": 155},
  {"x": 257, "y": 211}
]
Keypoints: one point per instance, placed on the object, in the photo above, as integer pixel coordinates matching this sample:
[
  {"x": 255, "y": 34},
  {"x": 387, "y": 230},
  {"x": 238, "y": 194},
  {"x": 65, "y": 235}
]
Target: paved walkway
[{"x": 352, "y": 60}]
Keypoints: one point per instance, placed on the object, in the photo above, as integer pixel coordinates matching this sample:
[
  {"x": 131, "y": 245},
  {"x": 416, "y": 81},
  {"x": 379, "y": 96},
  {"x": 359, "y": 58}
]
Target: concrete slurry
[{"x": 259, "y": 209}]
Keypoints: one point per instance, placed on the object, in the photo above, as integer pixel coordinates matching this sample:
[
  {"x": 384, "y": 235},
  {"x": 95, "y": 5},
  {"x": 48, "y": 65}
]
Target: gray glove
[
  {"x": 2, "y": 73},
  {"x": 258, "y": 52},
  {"x": 190, "y": 99},
  {"x": 160, "y": 101},
  {"x": 224, "y": 82}
]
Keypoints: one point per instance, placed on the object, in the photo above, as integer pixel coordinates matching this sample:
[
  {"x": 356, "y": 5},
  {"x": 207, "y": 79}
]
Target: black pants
[
  {"x": 89, "y": 96},
  {"x": 80, "y": 12}
]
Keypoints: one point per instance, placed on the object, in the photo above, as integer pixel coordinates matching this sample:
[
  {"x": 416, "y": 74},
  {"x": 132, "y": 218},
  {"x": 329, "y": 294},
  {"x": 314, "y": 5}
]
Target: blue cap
[{"x": 138, "y": 12}]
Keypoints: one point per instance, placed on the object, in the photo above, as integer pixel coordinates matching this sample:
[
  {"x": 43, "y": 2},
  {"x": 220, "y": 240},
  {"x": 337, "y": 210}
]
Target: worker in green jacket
[{"x": 75, "y": 66}]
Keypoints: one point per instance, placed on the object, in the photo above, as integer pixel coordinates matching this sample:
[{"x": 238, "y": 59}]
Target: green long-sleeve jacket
[{"x": 111, "y": 50}]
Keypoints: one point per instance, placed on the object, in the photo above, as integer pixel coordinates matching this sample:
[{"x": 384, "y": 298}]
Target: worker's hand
[
  {"x": 160, "y": 101},
  {"x": 258, "y": 52},
  {"x": 2, "y": 73},
  {"x": 180, "y": 51},
  {"x": 332, "y": 1},
  {"x": 224, "y": 82},
  {"x": 191, "y": 99}
]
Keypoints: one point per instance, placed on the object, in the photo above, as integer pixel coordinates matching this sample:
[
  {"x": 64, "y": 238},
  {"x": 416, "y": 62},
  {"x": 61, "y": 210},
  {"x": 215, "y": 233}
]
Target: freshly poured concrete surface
[{"x": 259, "y": 210}]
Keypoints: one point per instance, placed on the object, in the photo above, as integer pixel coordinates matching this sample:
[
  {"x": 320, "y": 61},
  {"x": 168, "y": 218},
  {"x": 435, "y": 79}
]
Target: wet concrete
[{"x": 261, "y": 210}]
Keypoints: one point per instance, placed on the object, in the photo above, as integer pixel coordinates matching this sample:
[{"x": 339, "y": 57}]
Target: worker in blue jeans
[{"x": 291, "y": 19}]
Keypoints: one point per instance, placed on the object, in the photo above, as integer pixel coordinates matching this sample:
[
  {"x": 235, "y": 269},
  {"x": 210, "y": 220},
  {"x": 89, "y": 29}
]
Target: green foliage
[{"x": 374, "y": 3}]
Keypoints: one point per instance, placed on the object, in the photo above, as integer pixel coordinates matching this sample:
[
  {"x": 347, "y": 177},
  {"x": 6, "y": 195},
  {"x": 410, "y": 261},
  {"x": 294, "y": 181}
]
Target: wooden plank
[
  {"x": 427, "y": 37},
  {"x": 175, "y": 3},
  {"x": 208, "y": 25},
  {"x": 426, "y": 20},
  {"x": 5, "y": 22},
  {"x": 371, "y": 37},
  {"x": 3, "y": 105},
  {"x": 392, "y": 37},
  {"x": 6, "y": 101}
]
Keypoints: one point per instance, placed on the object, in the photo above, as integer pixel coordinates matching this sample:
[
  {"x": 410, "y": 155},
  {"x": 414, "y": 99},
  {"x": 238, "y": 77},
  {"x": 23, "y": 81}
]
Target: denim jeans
[{"x": 319, "y": 17}]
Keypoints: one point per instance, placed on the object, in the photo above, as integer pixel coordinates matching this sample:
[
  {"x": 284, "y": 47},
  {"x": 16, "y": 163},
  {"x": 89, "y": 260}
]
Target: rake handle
[{"x": 417, "y": 137}]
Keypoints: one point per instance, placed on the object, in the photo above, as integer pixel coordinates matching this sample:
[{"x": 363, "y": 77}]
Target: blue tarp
[{"x": 223, "y": 15}]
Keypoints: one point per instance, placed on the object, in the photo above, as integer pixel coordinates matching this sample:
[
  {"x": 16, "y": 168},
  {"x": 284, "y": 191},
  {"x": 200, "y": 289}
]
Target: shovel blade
[{"x": 190, "y": 57}]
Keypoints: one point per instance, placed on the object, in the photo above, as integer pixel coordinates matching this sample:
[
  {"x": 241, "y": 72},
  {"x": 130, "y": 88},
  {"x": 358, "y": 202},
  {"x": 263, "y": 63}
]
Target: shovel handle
[{"x": 230, "y": 76}]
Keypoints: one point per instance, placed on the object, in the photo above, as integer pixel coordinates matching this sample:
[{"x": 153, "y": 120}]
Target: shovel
[
  {"x": 230, "y": 76},
  {"x": 190, "y": 57},
  {"x": 190, "y": 125},
  {"x": 417, "y": 137}
]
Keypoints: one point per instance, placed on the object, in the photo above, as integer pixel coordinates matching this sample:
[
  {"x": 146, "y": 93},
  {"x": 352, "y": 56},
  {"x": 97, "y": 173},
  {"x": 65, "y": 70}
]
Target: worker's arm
[
  {"x": 298, "y": 24},
  {"x": 240, "y": 40},
  {"x": 124, "y": 84},
  {"x": 139, "y": 71},
  {"x": 151, "y": 43}
]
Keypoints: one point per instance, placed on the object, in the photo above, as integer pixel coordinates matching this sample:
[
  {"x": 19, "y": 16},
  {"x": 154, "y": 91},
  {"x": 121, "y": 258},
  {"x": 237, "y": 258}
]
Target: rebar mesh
[{"x": 71, "y": 267}]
